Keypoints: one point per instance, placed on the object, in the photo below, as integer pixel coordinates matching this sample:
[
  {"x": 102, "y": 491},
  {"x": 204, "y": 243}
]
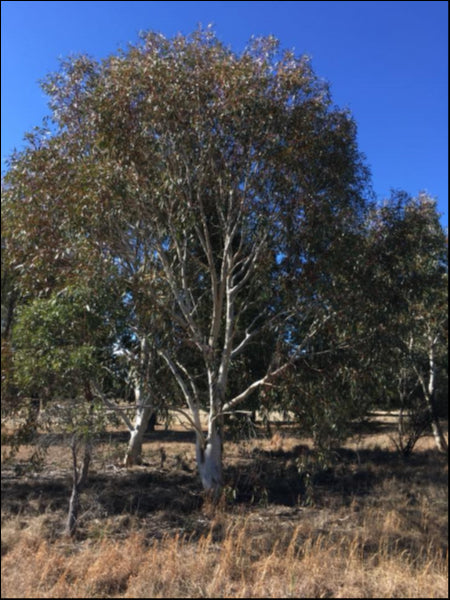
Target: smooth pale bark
[
  {"x": 134, "y": 451},
  {"x": 220, "y": 341},
  {"x": 438, "y": 434},
  {"x": 144, "y": 405},
  {"x": 429, "y": 390},
  {"x": 209, "y": 459},
  {"x": 436, "y": 428},
  {"x": 143, "y": 412}
]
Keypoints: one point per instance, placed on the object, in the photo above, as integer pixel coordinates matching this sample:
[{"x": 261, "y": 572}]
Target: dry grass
[
  {"x": 244, "y": 563},
  {"x": 373, "y": 526}
]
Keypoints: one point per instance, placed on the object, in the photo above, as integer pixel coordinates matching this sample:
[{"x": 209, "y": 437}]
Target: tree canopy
[{"x": 222, "y": 199}]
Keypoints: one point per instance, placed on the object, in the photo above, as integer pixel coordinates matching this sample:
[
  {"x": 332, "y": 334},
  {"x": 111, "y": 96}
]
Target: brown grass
[
  {"x": 244, "y": 564},
  {"x": 374, "y": 525}
]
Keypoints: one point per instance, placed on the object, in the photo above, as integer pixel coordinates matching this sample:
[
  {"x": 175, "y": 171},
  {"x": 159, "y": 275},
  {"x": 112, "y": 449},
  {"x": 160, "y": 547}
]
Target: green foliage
[
  {"x": 411, "y": 274},
  {"x": 61, "y": 342},
  {"x": 204, "y": 213}
]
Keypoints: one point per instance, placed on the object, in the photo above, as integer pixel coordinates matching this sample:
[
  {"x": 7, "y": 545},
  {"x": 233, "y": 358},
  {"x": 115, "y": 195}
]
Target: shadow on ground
[{"x": 264, "y": 478}]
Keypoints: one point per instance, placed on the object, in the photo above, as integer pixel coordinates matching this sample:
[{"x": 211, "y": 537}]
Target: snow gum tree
[
  {"x": 213, "y": 182},
  {"x": 409, "y": 271}
]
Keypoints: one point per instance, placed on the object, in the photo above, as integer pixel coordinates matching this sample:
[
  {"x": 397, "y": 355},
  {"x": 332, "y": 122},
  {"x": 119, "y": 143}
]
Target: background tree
[
  {"x": 331, "y": 386},
  {"x": 9, "y": 298},
  {"x": 409, "y": 275}
]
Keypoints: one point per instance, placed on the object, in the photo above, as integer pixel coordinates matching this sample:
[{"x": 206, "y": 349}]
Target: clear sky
[{"x": 386, "y": 61}]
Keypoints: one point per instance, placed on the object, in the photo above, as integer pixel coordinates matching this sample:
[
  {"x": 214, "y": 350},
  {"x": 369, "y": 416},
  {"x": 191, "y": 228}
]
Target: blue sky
[{"x": 386, "y": 61}]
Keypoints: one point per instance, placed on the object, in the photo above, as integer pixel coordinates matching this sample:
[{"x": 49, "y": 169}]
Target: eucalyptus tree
[
  {"x": 48, "y": 246},
  {"x": 334, "y": 381},
  {"x": 409, "y": 274},
  {"x": 9, "y": 299},
  {"x": 212, "y": 181}
]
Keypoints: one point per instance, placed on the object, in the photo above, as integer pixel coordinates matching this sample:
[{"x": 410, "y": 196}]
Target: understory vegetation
[{"x": 373, "y": 524}]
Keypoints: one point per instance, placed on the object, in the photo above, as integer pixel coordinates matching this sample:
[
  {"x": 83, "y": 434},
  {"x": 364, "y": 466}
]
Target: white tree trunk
[
  {"x": 209, "y": 458},
  {"x": 134, "y": 451},
  {"x": 438, "y": 434},
  {"x": 430, "y": 395},
  {"x": 144, "y": 407}
]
